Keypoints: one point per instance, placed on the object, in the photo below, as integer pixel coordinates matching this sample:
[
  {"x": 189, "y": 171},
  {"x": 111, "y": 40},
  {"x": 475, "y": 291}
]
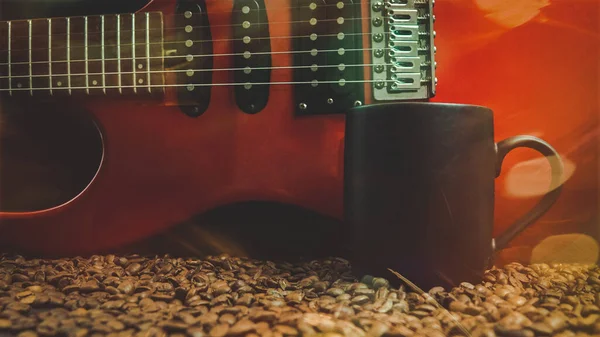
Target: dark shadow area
[{"x": 261, "y": 230}]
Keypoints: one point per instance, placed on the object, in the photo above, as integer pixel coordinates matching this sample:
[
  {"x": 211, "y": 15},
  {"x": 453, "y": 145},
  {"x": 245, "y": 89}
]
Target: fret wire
[
  {"x": 133, "y": 51},
  {"x": 9, "y": 60},
  {"x": 85, "y": 49},
  {"x": 102, "y": 52},
  {"x": 119, "y": 50},
  {"x": 148, "y": 50},
  {"x": 69, "y": 54},
  {"x": 30, "y": 66},
  {"x": 50, "y": 55}
]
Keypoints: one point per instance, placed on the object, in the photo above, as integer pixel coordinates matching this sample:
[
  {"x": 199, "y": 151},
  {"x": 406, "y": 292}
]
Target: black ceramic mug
[{"x": 419, "y": 190}]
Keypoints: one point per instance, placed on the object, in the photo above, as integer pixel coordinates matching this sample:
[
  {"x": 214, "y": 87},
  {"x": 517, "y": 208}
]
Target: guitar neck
[{"x": 104, "y": 54}]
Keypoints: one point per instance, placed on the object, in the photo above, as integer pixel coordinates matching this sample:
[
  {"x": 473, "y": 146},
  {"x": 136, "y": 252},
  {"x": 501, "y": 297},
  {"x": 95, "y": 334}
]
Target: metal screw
[
  {"x": 377, "y": 6},
  {"x": 378, "y": 53},
  {"x": 379, "y": 84},
  {"x": 187, "y": 14},
  {"x": 357, "y": 103},
  {"x": 378, "y": 37},
  {"x": 379, "y": 68},
  {"x": 330, "y": 101},
  {"x": 377, "y": 22},
  {"x": 303, "y": 106}
]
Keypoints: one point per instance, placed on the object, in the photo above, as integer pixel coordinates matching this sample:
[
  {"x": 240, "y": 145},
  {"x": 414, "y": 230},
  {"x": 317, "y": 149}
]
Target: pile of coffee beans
[{"x": 225, "y": 296}]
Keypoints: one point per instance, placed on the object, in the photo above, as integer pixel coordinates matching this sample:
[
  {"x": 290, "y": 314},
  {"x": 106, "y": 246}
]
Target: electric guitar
[
  {"x": 141, "y": 120},
  {"x": 225, "y": 101}
]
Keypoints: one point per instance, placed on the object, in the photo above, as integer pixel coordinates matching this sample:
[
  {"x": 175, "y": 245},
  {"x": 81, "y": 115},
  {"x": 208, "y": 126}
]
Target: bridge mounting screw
[
  {"x": 357, "y": 103},
  {"x": 302, "y": 106},
  {"x": 379, "y": 68},
  {"x": 378, "y": 52},
  {"x": 377, "y": 22},
  {"x": 330, "y": 101},
  {"x": 377, "y": 6},
  {"x": 379, "y": 84},
  {"x": 378, "y": 37}
]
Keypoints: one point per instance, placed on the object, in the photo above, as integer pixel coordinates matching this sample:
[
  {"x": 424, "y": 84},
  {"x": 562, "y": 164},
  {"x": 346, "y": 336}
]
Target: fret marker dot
[
  {"x": 340, "y": 5},
  {"x": 19, "y": 85},
  {"x": 313, "y": 37},
  {"x": 246, "y": 24},
  {"x": 188, "y": 29},
  {"x": 314, "y": 67},
  {"x": 247, "y": 55},
  {"x": 245, "y": 9},
  {"x": 189, "y": 72},
  {"x": 189, "y": 58},
  {"x": 59, "y": 83},
  {"x": 140, "y": 66},
  {"x": 94, "y": 82},
  {"x": 189, "y": 43},
  {"x": 246, "y": 39},
  {"x": 340, "y": 20},
  {"x": 314, "y": 52},
  {"x": 141, "y": 80},
  {"x": 247, "y": 70},
  {"x": 341, "y": 36},
  {"x": 187, "y": 14},
  {"x": 314, "y": 83},
  {"x": 313, "y": 21},
  {"x": 341, "y": 51},
  {"x": 312, "y": 6}
]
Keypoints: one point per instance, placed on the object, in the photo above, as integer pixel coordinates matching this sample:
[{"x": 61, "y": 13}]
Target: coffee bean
[
  {"x": 219, "y": 330},
  {"x": 5, "y": 324}
]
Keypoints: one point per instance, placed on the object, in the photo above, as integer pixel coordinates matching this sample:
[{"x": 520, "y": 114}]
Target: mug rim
[{"x": 412, "y": 103}]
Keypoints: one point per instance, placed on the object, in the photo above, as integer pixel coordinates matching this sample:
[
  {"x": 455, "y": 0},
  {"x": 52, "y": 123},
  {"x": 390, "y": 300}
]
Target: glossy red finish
[{"x": 535, "y": 64}]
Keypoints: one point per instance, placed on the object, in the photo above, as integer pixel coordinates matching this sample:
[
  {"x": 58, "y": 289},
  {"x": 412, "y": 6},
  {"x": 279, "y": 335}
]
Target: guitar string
[
  {"x": 199, "y": 70},
  {"x": 195, "y": 85},
  {"x": 143, "y": 44},
  {"x": 339, "y": 50},
  {"x": 217, "y": 26}
]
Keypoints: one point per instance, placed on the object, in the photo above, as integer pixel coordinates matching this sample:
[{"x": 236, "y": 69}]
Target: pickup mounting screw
[
  {"x": 302, "y": 106},
  {"x": 357, "y": 103},
  {"x": 330, "y": 101}
]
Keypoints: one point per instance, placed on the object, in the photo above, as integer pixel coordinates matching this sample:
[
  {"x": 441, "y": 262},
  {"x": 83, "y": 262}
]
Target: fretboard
[{"x": 106, "y": 54}]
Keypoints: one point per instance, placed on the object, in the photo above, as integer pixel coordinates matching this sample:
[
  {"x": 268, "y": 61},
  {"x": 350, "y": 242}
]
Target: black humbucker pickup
[{"x": 327, "y": 60}]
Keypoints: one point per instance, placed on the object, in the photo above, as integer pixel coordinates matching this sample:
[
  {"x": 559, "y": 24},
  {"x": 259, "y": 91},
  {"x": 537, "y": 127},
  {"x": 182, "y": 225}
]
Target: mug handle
[{"x": 557, "y": 168}]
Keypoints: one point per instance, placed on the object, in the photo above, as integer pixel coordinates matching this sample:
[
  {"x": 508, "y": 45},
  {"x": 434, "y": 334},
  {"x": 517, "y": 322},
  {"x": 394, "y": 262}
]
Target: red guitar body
[{"x": 538, "y": 70}]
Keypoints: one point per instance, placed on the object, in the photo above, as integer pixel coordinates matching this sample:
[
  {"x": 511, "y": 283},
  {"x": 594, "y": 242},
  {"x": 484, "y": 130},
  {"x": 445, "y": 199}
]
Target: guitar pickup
[
  {"x": 252, "y": 54},
  {"x": 193, "y": 56}
]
